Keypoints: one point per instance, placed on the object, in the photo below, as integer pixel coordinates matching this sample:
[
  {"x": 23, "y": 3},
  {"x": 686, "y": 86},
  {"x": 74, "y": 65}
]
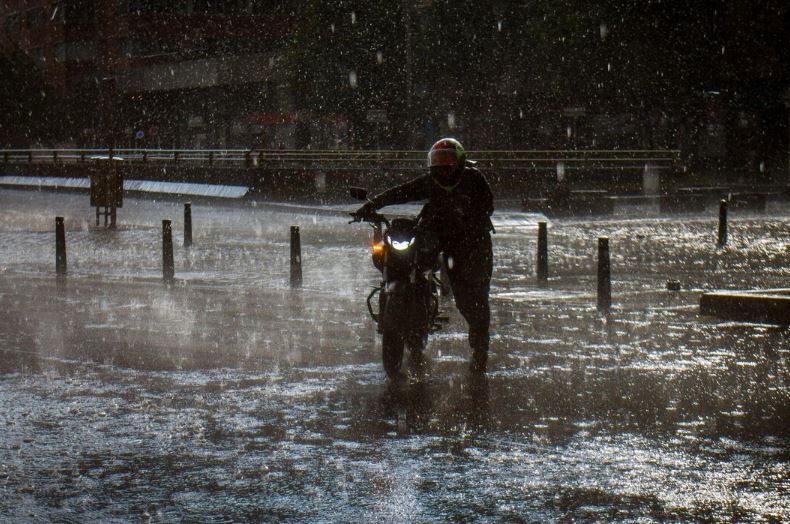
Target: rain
[{"x": 231, "y": 392}]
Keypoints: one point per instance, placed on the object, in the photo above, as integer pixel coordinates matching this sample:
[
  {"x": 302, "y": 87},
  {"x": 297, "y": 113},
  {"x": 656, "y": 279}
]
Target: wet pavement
[{"x": 229, "y": 397}]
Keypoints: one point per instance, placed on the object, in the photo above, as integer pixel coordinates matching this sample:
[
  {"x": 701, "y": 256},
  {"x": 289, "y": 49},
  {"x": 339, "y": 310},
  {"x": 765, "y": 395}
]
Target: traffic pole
[
  {"x": 296, "y": 258},
  {"x": 60, "y": 247},
  {"x": 168, "y": 268},
  {"x": 604, "y": 275}
]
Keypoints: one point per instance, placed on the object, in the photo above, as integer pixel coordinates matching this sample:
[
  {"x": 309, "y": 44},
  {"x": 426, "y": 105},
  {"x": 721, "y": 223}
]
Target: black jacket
[{"x": 460, "y": 215}]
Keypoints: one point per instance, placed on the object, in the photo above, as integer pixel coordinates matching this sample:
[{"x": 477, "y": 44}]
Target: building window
[
  {"x": 60, "y": 53},
  {"x": 158, "y": 6},
  {"x": 79, "y": 11},
  {"x": 57, "y": 13},
  {"x": 12, "y": 23},
  {"x": 75, "y": 52},
  {"x": 37, "y": 54}
]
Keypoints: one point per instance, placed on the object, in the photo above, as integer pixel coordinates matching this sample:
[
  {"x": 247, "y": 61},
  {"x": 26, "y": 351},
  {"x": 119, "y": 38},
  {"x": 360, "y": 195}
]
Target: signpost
[{"x": 106, "y": 188}]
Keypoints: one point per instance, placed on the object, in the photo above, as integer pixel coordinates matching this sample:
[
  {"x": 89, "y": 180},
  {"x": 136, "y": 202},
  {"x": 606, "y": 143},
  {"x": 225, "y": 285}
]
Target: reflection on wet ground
[{"x": 230, "y": 397}]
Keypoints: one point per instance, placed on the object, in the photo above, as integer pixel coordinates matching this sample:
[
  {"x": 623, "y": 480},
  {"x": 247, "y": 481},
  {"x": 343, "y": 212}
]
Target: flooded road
[{"x": 231, "y": 398}]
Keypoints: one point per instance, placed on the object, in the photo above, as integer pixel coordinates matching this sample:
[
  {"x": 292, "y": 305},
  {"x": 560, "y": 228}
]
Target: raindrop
[
  {"x": 499, "y": 26},
  {"x": 332, "y": 27},
  {"x": 451, "y": 120},
  {"x": 569, "y": 132},
  {"x": 379, "y": 57},
  {"x": 609, "y": 66},
  {"x": 520, "y": 113},
  {"x": 722, "y": 49},
  {"x": 604, "y": 30},
  {"x": 352, "y": 79},
  {"x": 353, "y": 17},
  {"x": 762, "y": 166}
]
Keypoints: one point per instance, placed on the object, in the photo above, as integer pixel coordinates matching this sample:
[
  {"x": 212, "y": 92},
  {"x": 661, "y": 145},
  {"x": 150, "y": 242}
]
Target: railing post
[
  {"x": 175, "y": 157},
  {"x": 604, "y": 275},
  {"x": 187, "y": 224},
  {"x": 296, "y": 258},
  {"x": 168, "y": 268},
  {"x": 543, "y": 254},
  {"x": 211, "y": 158},
  {"x": 54, "y": 156},
  {"x": 60, "y": 247}
]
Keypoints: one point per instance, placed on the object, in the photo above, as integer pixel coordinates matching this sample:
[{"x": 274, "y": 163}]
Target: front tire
[{"x": 393, "y": 335}]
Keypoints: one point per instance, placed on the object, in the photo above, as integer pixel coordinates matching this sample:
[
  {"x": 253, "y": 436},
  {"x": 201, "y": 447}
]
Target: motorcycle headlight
[{"x": 400, "y": 245}]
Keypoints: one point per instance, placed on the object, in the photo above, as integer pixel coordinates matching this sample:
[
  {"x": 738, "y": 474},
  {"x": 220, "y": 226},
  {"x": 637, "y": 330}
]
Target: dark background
[{"x": 709, "y": 77}]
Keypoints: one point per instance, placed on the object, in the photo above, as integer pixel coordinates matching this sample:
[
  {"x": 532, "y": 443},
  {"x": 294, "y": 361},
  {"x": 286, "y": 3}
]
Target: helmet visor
[{"x": 442, "y": 157}]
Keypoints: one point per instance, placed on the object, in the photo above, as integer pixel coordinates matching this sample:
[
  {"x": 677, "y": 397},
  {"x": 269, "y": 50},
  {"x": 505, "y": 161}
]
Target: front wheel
[{"x": 393, "y": 334}]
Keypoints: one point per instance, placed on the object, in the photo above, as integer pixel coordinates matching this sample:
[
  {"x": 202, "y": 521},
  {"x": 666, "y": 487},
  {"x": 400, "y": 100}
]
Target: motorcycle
[{"x": 408, "y": 298}]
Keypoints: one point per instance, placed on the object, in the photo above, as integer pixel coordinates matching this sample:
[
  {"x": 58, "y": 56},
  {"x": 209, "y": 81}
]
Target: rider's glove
[{"x": 364, "y": 212}]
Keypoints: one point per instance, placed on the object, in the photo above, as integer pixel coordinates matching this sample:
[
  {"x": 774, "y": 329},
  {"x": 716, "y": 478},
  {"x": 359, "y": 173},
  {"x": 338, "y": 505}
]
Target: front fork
[{"x": 423, "y": 304}]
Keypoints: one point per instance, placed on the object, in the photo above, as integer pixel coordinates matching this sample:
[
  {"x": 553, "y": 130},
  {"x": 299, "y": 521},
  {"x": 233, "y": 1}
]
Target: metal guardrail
[{"x": 356, "y": 159}]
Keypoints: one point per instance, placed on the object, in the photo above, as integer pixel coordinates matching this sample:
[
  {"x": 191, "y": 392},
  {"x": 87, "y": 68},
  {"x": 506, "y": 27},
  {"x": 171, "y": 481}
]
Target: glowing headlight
[{"x": 401, "y": 245}]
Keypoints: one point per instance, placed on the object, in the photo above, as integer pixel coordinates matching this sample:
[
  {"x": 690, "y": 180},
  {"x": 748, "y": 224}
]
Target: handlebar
[{"x": 372, "y": 218}]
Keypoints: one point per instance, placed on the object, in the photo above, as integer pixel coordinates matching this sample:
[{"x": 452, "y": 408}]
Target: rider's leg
[{"x": 470, "y": 278}]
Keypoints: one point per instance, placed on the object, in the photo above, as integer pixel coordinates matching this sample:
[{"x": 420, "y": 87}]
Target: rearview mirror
[{"x": 358, "y": 193}]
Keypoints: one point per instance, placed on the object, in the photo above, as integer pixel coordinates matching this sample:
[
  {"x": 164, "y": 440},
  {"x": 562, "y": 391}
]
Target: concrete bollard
[
  {"x": 543, "y": 254},
  {"x": 296, "y": 258},
  {"x": 187, "y": 224},
  {"x": 604, "y": 275},
  {"x": 722, "y": 223},
  {"x": 168, "y": 268},
  {"x": 60, "y": 247}
]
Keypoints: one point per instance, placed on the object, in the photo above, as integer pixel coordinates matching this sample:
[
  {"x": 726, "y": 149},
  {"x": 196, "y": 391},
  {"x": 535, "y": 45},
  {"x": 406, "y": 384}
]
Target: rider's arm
[
  {"x": 486, "y": 196},
  {"x": 412, "y": 191},
  {"x": 484, "y": 202}
]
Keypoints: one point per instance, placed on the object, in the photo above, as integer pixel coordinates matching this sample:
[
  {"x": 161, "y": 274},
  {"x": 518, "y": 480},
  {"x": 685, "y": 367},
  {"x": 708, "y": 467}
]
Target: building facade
[{"x": 709, "y": 79}]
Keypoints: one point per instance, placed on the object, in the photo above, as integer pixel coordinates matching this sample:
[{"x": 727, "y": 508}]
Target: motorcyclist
[{"x": 457, "y": 218}]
